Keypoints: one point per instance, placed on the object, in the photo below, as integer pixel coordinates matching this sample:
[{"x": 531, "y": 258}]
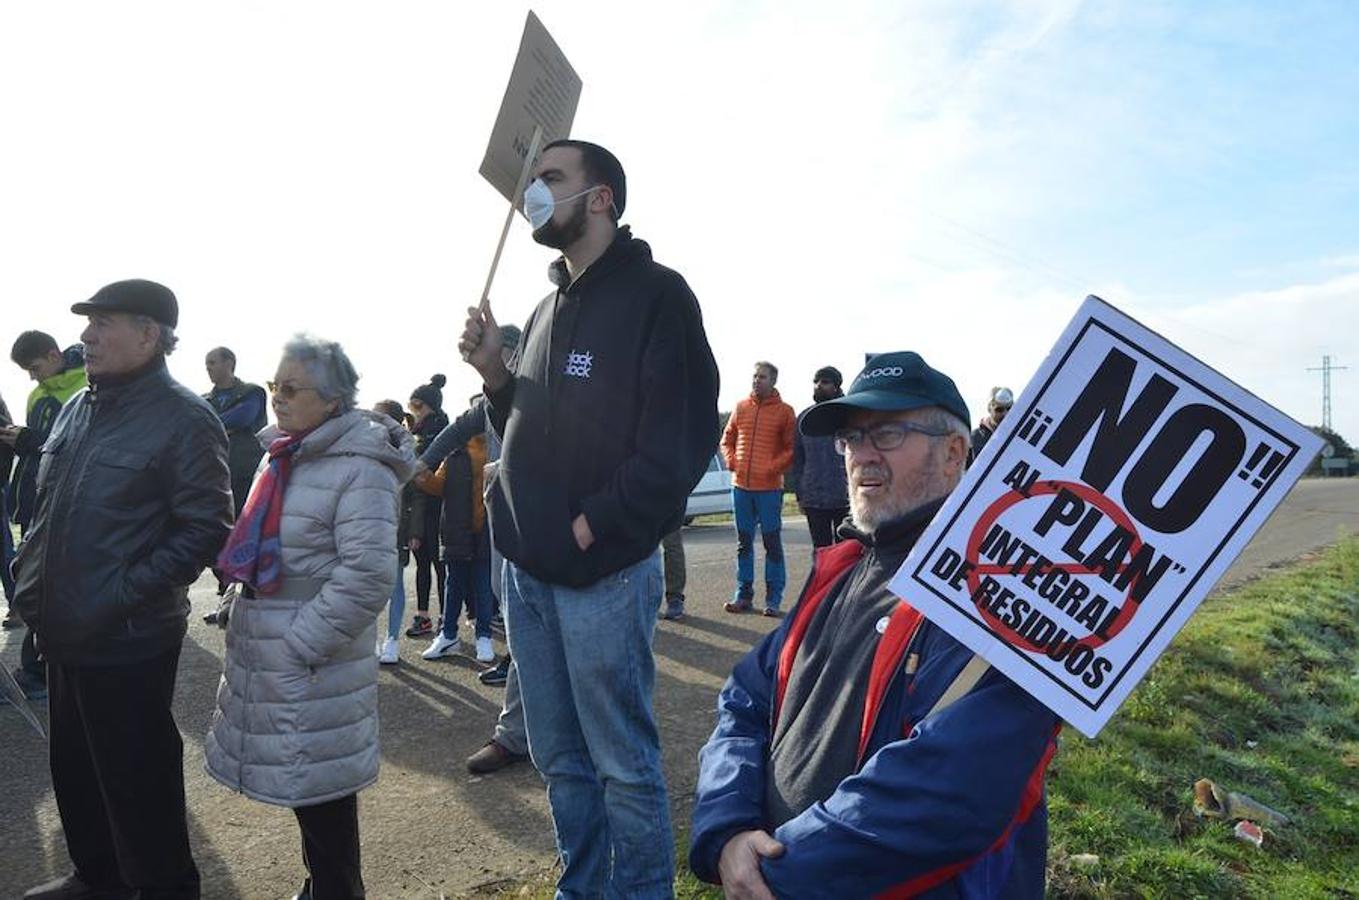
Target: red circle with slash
[{"x": 993, "y": 512}]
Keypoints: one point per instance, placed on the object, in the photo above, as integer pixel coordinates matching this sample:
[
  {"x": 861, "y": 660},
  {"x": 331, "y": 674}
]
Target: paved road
[{"x": 428, "y": 823}]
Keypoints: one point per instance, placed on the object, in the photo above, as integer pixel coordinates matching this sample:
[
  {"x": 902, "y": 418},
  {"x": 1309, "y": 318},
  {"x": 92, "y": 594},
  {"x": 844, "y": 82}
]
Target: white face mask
[{"x": 539, "y": 202}]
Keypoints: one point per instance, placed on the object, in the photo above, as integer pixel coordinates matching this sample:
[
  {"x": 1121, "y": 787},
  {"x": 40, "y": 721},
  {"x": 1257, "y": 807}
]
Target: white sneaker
[
  {"x": 389, "y": 655},
  {"x": 485, "y": 652},
  {"x": 441, "y": 647}
]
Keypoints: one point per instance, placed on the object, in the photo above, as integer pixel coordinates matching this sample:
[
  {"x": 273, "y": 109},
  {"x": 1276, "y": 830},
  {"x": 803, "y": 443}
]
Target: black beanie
[
  {"x": 829, "y": 373},
  {"x": 431, "y": 394}
]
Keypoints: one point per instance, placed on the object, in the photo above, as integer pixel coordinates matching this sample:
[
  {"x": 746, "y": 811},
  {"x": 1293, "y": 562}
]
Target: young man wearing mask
[{"x": 608, "y": 422}]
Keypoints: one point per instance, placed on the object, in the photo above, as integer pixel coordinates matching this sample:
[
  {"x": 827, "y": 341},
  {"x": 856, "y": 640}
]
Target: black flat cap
[{"x": 137, "y": 296}]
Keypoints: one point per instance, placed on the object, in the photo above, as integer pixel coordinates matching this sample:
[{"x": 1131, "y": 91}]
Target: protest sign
[
  {"x": 543, "y": 93},
  {"x": 1113, "y": 496},
  {"x": 538, "y": 107}
]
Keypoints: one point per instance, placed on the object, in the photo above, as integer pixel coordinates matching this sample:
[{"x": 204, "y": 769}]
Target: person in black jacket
[
  {"x": 608, "y": 423},
  {"x": 244, "y": 411},
  {"x": 818, "y": 473},
  {"x": 59, "y": 375},
  {"x": 427, "y": 409},
  {"x": 133, "y": 501}
]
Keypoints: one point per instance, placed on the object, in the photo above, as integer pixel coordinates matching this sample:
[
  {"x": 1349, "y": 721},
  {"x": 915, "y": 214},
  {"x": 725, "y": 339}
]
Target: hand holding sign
[{"x": 481, "y": 346}]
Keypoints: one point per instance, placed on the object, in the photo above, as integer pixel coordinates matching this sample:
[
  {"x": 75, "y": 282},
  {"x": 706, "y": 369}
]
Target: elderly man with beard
[{"x": 861, "y": 750}]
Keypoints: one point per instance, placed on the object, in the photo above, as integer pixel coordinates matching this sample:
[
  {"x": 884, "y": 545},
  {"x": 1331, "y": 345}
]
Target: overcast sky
[{"x": 948, "y": 177}]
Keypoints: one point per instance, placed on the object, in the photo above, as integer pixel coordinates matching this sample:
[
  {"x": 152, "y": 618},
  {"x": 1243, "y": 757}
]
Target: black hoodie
[{"x": 612, "y": 412}]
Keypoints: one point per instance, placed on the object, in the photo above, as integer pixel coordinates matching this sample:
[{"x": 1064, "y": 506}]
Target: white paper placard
[
  {"x": 543, "y": 91},
  {"x": 1122, "y": 484}
]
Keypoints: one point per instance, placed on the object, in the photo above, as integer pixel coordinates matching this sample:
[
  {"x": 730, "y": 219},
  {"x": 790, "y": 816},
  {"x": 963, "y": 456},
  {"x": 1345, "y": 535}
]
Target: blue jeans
[
  {"x": 509, "y": 727},
  {"x": 468, "y": 581},
  {"x": 586, "y": 673},
  {"x": 396, "y": 606},
  {"x": 763, "y": 509}
]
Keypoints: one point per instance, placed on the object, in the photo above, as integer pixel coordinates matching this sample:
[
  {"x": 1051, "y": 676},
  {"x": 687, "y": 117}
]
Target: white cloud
[
  {"x": 1349, "y": 261},
  {"x": 1267, "y": 340}
]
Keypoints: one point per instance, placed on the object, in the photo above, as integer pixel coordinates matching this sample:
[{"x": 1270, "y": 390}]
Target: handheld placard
[
  {"x": 1122, "y": 484},
  {"x": 538, "y": 108}
]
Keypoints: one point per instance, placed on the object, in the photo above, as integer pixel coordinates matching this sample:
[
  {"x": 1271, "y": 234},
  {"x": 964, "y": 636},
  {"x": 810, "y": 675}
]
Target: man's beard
[
  {"x": 559, "y": 237},
  {"x": 821, "y": 395},
  {"x": 900, "y": 495}
]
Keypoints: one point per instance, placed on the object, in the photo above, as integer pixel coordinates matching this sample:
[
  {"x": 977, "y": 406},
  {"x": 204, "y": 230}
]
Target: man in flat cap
[
  {"x": 860, "y": 750},
  {"x": 133, "y": 501}
]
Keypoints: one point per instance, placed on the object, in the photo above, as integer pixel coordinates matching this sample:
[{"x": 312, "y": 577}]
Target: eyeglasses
[
  {"x": 287, "y": 390},
  {"x": 884, "y": 437}
]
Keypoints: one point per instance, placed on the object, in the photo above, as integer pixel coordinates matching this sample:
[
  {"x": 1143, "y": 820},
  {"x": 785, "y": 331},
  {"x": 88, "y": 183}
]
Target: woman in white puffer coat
[{"x": 315, "y": 550}]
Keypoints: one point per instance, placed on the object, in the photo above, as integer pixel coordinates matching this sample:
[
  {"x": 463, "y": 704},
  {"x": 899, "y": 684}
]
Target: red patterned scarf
[{"x": 253, "y": 551}]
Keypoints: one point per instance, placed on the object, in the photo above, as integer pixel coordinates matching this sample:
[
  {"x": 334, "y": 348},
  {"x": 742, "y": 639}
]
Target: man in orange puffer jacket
[{"x": 758, "y": 447}]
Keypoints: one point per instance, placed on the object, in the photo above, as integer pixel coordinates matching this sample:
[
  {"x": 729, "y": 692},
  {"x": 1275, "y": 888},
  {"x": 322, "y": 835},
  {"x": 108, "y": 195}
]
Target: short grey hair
[
  {"x": 769, "y": 368},
  {"x": 166, "y": 341},
  {"x": 328, "y": 365},
  {"x": 940, "y": 419}
]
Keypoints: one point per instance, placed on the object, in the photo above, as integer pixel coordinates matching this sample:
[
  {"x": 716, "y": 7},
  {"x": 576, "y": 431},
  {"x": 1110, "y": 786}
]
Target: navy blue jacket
[{"x": 818, "y": 473}]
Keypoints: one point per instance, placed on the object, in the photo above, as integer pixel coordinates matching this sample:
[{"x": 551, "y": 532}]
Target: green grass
[{"x": 1260, "y": 693}]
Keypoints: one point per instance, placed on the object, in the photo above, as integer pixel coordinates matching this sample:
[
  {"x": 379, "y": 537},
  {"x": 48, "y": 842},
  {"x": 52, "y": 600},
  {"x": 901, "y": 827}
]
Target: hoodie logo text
[{"x": 578, "y": 364}]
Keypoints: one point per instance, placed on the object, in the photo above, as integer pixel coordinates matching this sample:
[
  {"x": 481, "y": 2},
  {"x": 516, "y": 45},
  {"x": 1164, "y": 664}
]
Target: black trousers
[
  {"x": 823, "y": 524},
  {"x": 118, "y": 773},
  {"x": 428, "y": 572},
  {"x": 427, "y": 566},
  {"x": 672, "y": 556},
  {"x": 330, "y": 849},
  {"x": 29, "y": 660}
]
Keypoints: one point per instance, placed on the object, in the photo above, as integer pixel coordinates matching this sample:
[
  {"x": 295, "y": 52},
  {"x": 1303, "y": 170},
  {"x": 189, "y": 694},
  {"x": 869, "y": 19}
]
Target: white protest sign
[
  {"x": 537, "y": 109},
  {"x": 543, "y": 93},
  {"x": 1110, "y": 500}
]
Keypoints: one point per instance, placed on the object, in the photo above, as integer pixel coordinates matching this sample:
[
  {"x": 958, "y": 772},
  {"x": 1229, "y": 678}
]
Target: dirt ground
[{"x": 427, "y": 825}]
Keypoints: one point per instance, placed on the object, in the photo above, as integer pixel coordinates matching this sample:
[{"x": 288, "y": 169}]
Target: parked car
[{"x": 712, "y": 494}]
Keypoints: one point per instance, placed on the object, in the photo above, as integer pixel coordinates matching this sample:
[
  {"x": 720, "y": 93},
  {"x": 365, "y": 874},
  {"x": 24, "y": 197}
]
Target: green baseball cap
[{"x": 900, "y": 380}]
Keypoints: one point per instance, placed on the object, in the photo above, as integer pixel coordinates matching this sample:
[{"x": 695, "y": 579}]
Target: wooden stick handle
[{"x": 509, "y": 216}]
